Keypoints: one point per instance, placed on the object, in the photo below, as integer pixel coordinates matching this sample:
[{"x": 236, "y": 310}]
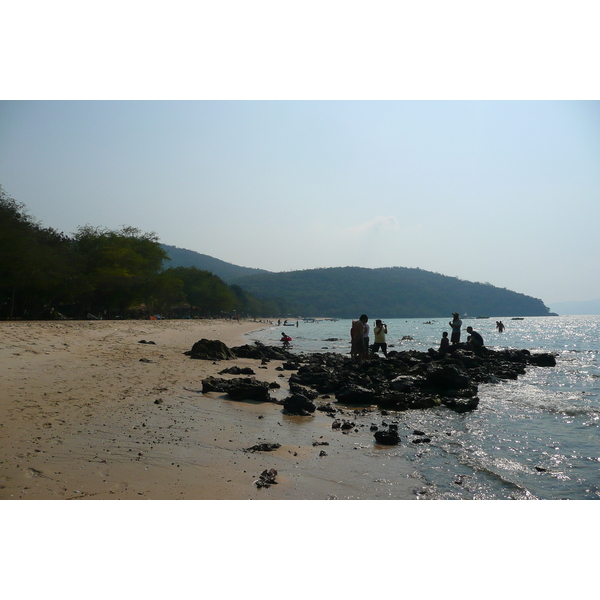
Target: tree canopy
[{"x": 101, "y": 272}]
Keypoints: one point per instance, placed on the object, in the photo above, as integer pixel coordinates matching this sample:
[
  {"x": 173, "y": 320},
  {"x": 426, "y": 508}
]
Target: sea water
[{"x": 536, "y": 437}]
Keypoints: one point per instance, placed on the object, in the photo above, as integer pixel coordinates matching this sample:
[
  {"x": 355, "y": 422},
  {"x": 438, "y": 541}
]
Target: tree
[
  {"x": 121, "y": 267},
  {"x": 205, "y": 293},
  {"x": 38, "y": 266}
]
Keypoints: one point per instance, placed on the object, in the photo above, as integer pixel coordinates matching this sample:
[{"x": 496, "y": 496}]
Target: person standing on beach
[
  {"x": 456, "y": 324},
  {"x": 380, "y": 332},
  {"x": 366, "y": 336},
  {"x": 358, "y": 344}
]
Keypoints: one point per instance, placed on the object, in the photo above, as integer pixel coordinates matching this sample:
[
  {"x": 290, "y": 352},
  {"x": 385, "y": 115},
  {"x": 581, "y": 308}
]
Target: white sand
[{"x": 78, "y": 420}]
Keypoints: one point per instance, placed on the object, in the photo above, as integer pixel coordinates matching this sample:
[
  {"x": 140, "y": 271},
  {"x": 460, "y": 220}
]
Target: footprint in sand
[
  {"x": 118, "y": 488},
  {"x": 32, "y": 473}
]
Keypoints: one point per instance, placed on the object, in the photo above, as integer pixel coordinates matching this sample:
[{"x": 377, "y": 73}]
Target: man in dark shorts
[
  {"x": 380, "y": 343},
  {"x": 475, "y": 340}
]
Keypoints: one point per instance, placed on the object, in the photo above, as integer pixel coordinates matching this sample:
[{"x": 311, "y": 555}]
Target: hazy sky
[{"x": 501, "y": 192}]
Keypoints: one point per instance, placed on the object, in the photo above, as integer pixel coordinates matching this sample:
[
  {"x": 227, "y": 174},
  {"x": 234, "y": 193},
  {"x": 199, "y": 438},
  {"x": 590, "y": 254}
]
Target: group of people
[
  {"x": 474, "y": 339},
  {"x": 360, "y": 336},
  {"x": 361, "y": 346}
]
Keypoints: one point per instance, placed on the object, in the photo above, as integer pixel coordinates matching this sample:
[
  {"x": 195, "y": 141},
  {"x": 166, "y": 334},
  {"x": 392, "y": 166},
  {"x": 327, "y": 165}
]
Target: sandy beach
[{"x": 87, "y": 411}]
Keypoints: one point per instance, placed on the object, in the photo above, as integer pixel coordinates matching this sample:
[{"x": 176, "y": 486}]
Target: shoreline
[{"x": 90, "y": 412}]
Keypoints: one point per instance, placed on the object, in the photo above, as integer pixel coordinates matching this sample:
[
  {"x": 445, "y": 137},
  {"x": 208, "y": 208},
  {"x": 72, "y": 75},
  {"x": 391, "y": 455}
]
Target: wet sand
[{"x": 89, "y": 412}]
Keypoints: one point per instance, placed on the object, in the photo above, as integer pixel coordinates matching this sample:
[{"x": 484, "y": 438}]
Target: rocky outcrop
[
  {"x": 239, "y": 388},
  {"x": 210, "y": 350},
  {"x": 260, "y": 352},
  {"x": 413, "y": 380},
  {"x": 298, "y": 404},
  {"x": 404, "y": 381},
  {"x": 216, "y": 350}
]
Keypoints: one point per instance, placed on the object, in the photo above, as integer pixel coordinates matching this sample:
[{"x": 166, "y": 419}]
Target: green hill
[
  {"x": 181, "y": 257},
  {"x": 346, "y": 292},
  {"x": 393, "y": 292}
]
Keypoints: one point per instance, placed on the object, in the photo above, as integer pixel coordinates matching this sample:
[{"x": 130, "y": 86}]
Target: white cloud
[{"x": 376, "y": 225}]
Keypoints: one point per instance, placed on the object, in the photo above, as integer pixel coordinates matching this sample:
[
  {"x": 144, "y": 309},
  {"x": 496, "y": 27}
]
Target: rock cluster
[
  {"x": 210, "y": 350},
  {"x": 405, "y": 380},
  {"x": 266, "y": 479},
  {"x": 264, "y": 447},
  {"x": 239, "y": 388},
  {"x": 412, "y": 379}
]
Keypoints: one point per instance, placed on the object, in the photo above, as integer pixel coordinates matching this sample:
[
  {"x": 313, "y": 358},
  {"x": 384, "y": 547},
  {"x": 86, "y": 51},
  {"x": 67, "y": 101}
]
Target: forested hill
[
  {"x": 181, "y": 257},
  {"x": 395, "y": 292},
  {"x": 124, "y": 274}
]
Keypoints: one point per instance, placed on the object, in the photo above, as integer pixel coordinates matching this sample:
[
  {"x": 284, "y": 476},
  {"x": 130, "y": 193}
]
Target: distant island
[{"x": 346, "y": 292}]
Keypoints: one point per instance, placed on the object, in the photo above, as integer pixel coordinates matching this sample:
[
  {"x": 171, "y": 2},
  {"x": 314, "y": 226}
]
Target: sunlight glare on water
[{"x": 536, "y": 437}]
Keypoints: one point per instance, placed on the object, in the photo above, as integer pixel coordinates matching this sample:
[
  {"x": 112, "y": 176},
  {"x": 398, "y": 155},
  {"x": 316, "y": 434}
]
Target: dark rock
[
  {"x": 290, "y": 366},
  {"x": 502, "y": 373},
  {"x": 461, "y": 405},
  {"x": 210, "y": 350},
  {"x": 260, "y": 352},
  {"x": 298, "y": 404},
  {"x": 240, "y": 388},
  {"x": 235, "y": 370},
  {"x": 416, "y": 401},
  {"x": 263, "y": 447},
  {"x": 389, "y": 437},
  {"x": 323, "y": 379},
  {"x": 446, "y": 377},
  {"x": 543, "y": 360},
  {"x": 310, "y": 394},
  {"x": 393, "y": 401},
  {"x": 466, "y": 358},
  {"x": 266, "y": 479},
  {"x": 355, "y": 394},
  {"x": 406, "y": 383}
]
